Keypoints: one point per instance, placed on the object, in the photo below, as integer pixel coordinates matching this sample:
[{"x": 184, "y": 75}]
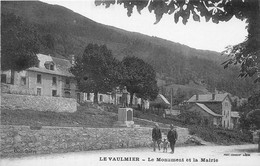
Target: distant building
[
  {"x": 115, "y": 97},
  {"x": 216, "y": 109},
  {"x": 160, "y": 104}
]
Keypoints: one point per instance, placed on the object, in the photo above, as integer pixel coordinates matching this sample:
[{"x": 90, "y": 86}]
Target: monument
[
  {"x": 125, "y": 114},
  {"x": 125, "y": 118}
]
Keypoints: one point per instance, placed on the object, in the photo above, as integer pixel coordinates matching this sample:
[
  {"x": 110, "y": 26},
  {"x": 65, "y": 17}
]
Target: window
[
  {"x": 47, "y": 66},
  {"x": 67, "y": 94},
  {"x": 54, "y": 92},
  {"x": 88, "y": 96},
  {"x": 23, "y": 80},
  {"x": 101, "y": 98},
  {"x": 226, "y": 103},
  {"x": 39, "y": 78},
  {"x": 39, "y": 92},
  {"x": 54, "y": 80},
  {"x": 3, "y": 78},
  {"x": 67, "y": 81},
  {"x": 51, "y": 66}
]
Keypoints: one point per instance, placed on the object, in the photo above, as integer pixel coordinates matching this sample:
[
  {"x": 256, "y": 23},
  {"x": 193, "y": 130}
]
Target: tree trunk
[
  {"x": 131, "y": 99},
  {"x": 96, "y": 97},
  {"x": 12, "y": 77}
]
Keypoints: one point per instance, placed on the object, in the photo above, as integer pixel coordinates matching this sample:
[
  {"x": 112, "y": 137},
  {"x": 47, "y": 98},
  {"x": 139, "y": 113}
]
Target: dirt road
[{"x": 192, "y": 155}]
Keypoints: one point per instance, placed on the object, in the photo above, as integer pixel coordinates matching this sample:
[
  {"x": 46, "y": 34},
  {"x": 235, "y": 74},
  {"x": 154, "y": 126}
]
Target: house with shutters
[
  {"x": 50, "y": 77},
  {"x": 215, "y": 108}
]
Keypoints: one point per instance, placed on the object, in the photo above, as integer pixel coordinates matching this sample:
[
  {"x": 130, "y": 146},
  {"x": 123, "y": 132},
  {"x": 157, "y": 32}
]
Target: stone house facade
[
  {"x": 216, "y": 109},
  {"x": 51, "y": 77}
]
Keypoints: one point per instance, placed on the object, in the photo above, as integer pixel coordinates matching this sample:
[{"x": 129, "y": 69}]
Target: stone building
[
  {"x": 51, "y": 77},
  {"x": 215, "y": 108}
]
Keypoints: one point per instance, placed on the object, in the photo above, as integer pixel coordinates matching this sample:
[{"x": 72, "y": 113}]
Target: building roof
[
  {"x": 160, "y": 100},
  {"x": 61, "y": 67},
  {"x": 164, "y": 99},
  {"x": 205, "y": 108},
  {"x": 208, "y": 98}
]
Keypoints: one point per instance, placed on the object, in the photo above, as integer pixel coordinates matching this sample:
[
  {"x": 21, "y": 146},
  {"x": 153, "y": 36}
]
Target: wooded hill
[{"x": 63, "y": 32}]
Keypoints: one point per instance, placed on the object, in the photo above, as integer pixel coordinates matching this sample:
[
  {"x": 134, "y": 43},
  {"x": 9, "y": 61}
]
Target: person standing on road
[
  {"x": 156, "y": 136},
  {"x": 172, "y": 137}
]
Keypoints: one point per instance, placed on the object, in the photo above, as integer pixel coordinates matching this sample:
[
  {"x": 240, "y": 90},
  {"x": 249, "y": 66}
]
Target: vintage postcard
[{"x": 130, "y": 82}]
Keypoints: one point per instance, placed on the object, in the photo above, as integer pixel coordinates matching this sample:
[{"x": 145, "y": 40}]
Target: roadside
[{"x": 205, "y": 155}]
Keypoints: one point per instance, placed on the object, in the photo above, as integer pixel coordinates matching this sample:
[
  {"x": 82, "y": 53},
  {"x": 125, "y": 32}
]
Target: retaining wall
[
  {"x": 23, "y": 141},
  {"x": 38, "y": 103}
]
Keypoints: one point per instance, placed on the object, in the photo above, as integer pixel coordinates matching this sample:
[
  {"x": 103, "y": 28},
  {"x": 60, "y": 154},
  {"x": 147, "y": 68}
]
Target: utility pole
[{"x": 171, "y": 97}]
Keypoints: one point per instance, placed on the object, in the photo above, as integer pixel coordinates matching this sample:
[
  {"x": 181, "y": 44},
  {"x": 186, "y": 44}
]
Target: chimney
[
  {"x": 197, "y": 97},
  {"x": 213, "y": 96}
]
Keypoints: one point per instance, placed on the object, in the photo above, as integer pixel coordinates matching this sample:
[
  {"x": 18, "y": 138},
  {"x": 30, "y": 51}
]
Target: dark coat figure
[
  {"x": 172, "y": 137},
  {"x": 156, "y": 136}
]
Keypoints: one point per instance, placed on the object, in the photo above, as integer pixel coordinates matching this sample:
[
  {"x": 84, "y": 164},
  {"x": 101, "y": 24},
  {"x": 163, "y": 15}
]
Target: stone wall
[
  {"x": 38, "y": 103},
  {"x": 24, "y": 140},
  {"x": 15, "y": 89}
]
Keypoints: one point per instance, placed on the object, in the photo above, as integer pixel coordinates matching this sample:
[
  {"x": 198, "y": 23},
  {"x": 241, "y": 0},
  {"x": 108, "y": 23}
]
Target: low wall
[
  {"x": 38, "y": 103},
  {"x": 15, "y": 89},
  {"x": 22, "y": 141}
]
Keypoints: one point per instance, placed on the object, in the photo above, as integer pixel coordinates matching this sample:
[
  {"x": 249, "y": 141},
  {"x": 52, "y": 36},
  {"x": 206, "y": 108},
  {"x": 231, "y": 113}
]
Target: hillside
[{"x": 63, "y": 32}]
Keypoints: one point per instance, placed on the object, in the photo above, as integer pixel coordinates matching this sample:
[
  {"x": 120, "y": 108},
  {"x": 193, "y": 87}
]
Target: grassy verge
[
  {"x": 104, "y": 116},
  {"x": 84, "y": 116}
]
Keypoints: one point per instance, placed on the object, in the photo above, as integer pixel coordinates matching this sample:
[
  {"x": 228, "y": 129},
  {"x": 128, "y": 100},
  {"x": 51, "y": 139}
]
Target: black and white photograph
[{"x": 130, "y": 83}]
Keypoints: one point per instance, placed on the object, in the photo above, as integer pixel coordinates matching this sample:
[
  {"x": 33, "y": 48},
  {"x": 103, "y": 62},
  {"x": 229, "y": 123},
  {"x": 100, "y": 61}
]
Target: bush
[
  {"x": 221, "y": 136},
  {"x": 137, "y": 114},
  {"x": 191, "y": 117}
]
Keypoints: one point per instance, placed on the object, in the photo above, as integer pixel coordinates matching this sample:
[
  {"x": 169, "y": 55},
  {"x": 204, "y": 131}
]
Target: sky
[{"x": 201, "y": 35}]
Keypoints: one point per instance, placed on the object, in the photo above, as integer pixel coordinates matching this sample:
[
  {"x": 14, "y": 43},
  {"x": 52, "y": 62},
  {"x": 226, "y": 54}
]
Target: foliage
[
  {"x": 249, "y": 112},
  {"x": 139, "y": 78},
  {"x": 191, "y": 117},
  {"x": 254, "y": 117},
  {"x": 247, "y": 53},
  {"x": 244, "y": 122},
  {"x": 97, "y": 71},
  {"x": 69, "y": 33},
  {"x": 179, "y": 97},
  {"x": 254, "y": 100},
  {"x": 220, "y": 136},
  {"x": 19, "y": 42}
]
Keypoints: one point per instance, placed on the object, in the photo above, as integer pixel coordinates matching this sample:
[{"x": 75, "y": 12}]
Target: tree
[
  {"x": 97, "y": 71},
  {"x": 254, "y": 118},
  {"x": 247, "y": 54},
  {"x": 250, "y": 114},
  {"x": 179, "y": 96},
  {"x": 19, "y": 43},
  {"x": 139, "y": 78}
]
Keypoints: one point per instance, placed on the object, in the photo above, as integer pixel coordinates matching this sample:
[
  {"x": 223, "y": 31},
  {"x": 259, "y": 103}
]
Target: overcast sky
[{"x": 200, "y": 35}]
